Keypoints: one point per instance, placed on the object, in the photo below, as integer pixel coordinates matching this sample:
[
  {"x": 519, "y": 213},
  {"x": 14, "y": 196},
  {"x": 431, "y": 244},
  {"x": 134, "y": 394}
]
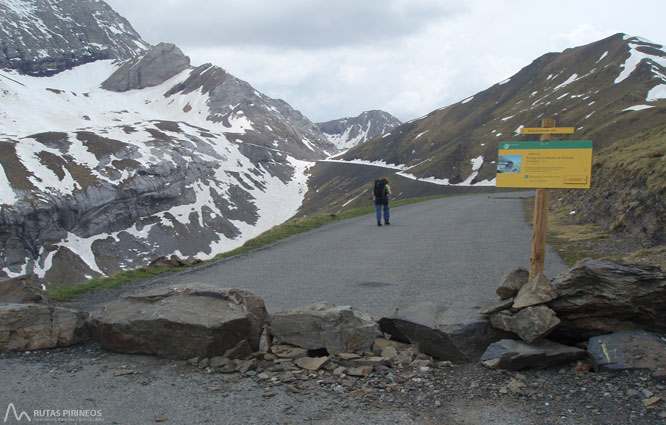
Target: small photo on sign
[{"x": 509, "y": 164}]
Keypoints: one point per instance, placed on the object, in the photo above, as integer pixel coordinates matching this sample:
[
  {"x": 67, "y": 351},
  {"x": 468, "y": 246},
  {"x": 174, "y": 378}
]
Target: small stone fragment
[
  {"x": 242, "y": 350},
  {"x": 360, "y": 371},
  {"x": 513, "y": 281},
  {"x": 370, "y": 361},
  {"x": 651, "y": 401},
  {"x": 247, "y": 365},
  {"x": 381, "y": 343},
  {"x": 420, "y": 363},
  {"x": 218, "y": 361},
  {"x": 288, "y": 351},
  {"x": 492, "y": 363},
  {"x": 311, "y": 363},
  {"x": 293, "y": 389},
  {"x": 389, "y": 353},
  {"x": 515, "y": 386},
  {"x": 339, "y": 371}
]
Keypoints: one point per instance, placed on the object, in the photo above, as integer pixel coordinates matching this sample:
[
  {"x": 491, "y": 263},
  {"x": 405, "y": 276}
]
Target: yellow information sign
[
  {"x": 545, "y": 165},
  {"x": 547, "y": 130}
]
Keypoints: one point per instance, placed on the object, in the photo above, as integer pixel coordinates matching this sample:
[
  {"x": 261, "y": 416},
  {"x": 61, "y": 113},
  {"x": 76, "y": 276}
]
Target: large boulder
[
  {"x": 37, "y": 326},
  {"x": 181, "y": 322},
  {"x": 628, "y": 350},
  {"x": 514, "y": 355},
  {"x": 323, "y": 325},
  {"x": 460, "y": 336},
  {"x": 531, "y": 324},
  {"x": 600, "y": 297},
  {"x": 23, "y": 290}
]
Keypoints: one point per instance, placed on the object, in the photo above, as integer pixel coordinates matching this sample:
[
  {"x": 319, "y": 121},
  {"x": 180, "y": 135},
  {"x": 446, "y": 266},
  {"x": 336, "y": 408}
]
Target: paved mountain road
[{"x": 452, "y": 250}]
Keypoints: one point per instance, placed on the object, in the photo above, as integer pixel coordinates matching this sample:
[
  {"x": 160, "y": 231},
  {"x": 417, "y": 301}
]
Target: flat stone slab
[
  {"x": 628, "y": 350},
  {"x": 515, "y": 355},
  {"x": 600, "y": 297},
  {"x": 441, "y": 333}
]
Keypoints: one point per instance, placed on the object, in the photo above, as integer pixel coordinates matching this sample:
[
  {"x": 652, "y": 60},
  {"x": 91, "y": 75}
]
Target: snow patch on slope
[
  {"x": 82, "y": 104},
  {"x": 7, "y": 195},
  {"x": 636, "y": 57},
  {"x": 637, "y": 108},
  {"x": 73, "y": 102},
  {"x": 656, "y": 93}
]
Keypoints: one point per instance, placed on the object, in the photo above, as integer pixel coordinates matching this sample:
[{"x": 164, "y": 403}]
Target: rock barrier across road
[{"x": 452, "y": 250}]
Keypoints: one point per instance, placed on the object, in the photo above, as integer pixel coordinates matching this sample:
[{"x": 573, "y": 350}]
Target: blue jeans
[{"x": 387, "y": 215}]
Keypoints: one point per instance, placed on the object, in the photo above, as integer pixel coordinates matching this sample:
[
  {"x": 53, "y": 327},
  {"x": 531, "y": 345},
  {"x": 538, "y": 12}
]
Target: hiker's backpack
[{"x": 380, "y": 189}]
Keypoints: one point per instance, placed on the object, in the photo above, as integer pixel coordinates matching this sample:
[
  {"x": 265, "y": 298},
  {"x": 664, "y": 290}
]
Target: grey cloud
[{"x": 299, "y": 24}]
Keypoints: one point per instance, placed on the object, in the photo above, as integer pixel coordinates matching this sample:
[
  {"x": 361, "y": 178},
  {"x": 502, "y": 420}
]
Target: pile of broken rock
[
  {"x": 610, "y": 313},
  {"x": 615, "y": 311}
]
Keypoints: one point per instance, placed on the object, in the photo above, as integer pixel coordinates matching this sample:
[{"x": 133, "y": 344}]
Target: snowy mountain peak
[
  {"x": 346, "y": 133},
  {"x": 114, "y": 153},
  {"x": 44, "y": 37}
]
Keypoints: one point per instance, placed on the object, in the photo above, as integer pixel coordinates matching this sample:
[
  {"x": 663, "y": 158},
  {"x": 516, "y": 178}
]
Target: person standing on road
[{"x": 382, "y": 191}]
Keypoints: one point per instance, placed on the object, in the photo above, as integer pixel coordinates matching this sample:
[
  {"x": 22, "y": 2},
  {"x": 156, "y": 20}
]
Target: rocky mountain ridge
[
  {"x": 596, "y": 88},
  {"x": 44, "y": 37},
  {"x": 108, "y": 165},
  {"x": 345, "y": 133}
]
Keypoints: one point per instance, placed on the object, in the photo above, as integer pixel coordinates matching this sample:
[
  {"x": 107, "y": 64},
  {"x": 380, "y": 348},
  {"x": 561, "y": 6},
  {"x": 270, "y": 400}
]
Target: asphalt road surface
[{"x": 453, "y": 250}]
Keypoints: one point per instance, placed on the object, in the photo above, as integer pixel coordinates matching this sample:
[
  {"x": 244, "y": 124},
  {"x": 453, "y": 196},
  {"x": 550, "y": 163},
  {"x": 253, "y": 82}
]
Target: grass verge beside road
[
  {"x": 289, "y": 228},
  {"x": 573, "y": 242}
]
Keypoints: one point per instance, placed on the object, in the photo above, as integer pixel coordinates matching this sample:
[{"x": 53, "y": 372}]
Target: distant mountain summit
[
  {"x": 346, "y": 133},
  {"x": 44, "y": 37},
  {"x": 114, "y": 152}
]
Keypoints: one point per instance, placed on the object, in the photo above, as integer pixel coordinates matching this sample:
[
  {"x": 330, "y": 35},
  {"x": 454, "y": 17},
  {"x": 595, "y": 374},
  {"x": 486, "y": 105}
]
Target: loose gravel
[{"x": 138, "y": 389}]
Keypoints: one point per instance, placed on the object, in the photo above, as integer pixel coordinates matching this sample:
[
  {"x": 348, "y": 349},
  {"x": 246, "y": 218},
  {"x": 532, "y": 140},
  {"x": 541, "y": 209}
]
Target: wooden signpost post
[
  {"x": 544, "y": 165},
  {"x": 538, "y": 253}
]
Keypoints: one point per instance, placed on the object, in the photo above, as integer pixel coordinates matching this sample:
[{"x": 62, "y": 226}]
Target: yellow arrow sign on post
[{"x": 547, "y": 130}]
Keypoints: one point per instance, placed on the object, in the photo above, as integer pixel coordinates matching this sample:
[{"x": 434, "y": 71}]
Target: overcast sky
[{"x": 337, "y": 58}]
